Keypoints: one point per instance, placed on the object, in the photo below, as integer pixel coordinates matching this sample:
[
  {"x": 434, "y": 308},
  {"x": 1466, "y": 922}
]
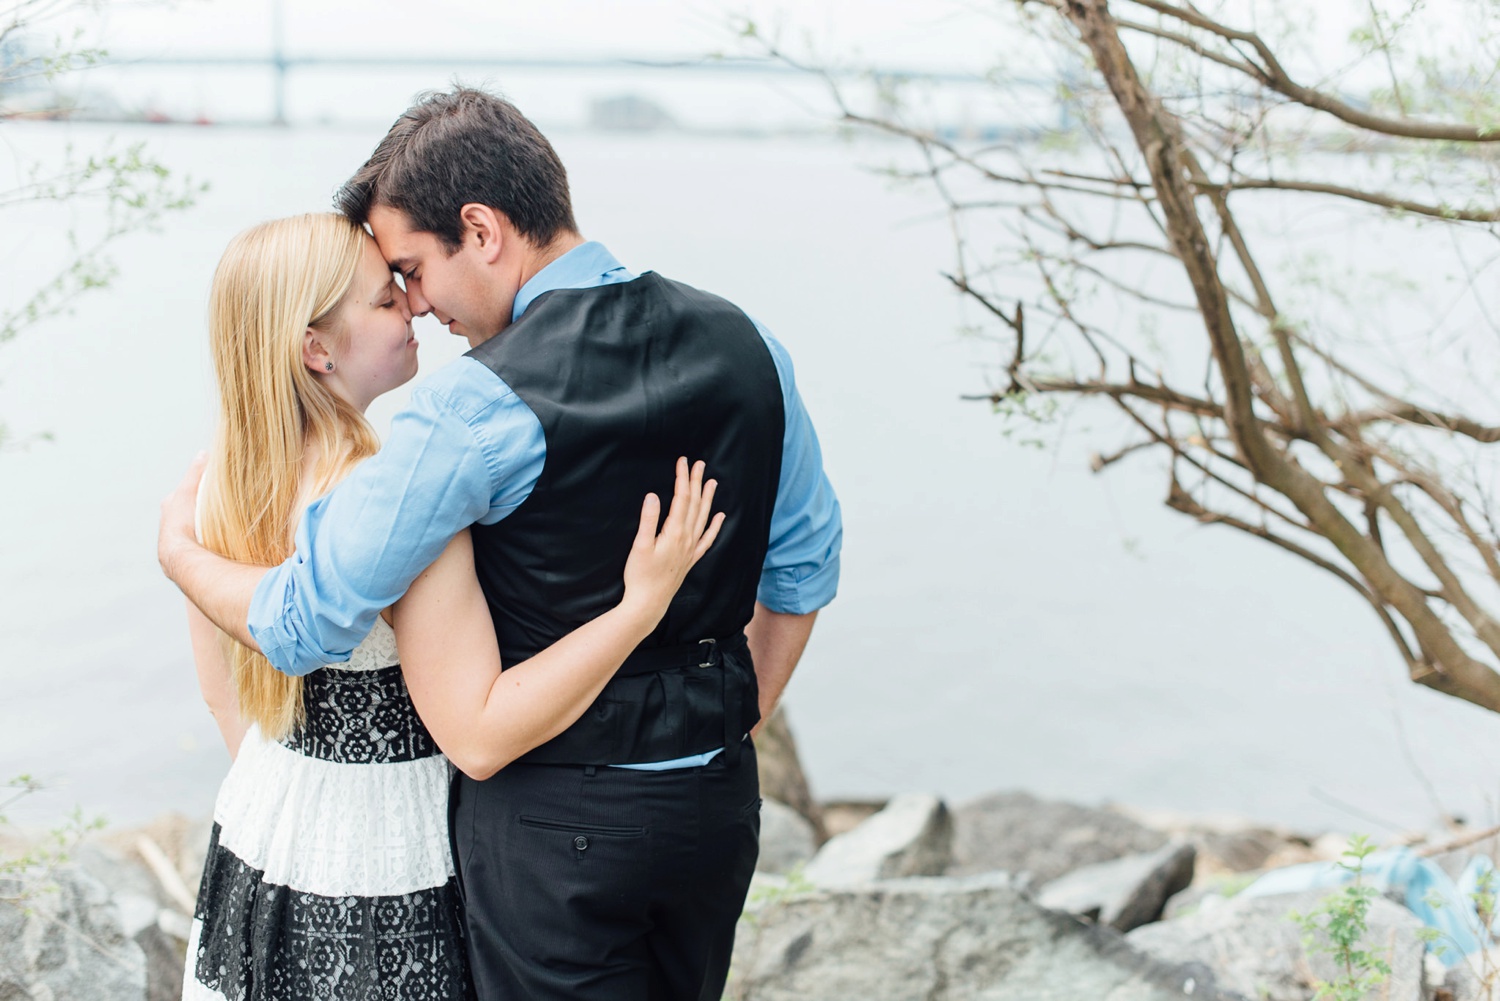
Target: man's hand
[
  {"x": 178, "y": 514},
  {"x": 220, "y": 588}
]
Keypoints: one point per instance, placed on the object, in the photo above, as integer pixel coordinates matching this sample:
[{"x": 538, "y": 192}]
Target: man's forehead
[
  {"x": 392, "y": 236},
  {"x": 388, "y": 222},
  {"x": 393, "y": 232}
]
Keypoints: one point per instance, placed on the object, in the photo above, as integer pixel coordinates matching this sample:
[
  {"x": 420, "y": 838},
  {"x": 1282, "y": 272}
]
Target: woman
[{"x": 329, "y": 873}]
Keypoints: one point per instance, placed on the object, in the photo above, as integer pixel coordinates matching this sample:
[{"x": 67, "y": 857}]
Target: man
[{"x": 612, "y": 861}]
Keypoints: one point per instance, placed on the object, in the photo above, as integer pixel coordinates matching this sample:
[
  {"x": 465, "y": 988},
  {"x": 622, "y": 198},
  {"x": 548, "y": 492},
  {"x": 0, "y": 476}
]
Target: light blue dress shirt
[{"x": 467, "y": 450}]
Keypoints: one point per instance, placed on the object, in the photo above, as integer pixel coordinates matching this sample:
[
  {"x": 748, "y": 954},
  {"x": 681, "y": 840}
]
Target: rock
[
  {"x": 787, "y": 839},
  {"x": 1255, "y": 949},
  {"x": 974, "y": 939},
  {"x": 1123, "y": 893},
  {"x": 1464, "y": 981},
  {"x": 1226, "y": 843},
  {"x": 183, "y": 839},
  {"x": 145, "y": 913},
  {"x": 122, "y": 875},
  {"x": 1211, "y": 892},
  {"x": 1018, "y": 833},
  {"x": 61, "y": 938},
  {"x": 166, "y": 957},
  {"x": 781, "y": 774},
  {"x": 842, "y": 815},
  {"x": 912, "y": 836},
  {"x": 1221, "y": 852}
]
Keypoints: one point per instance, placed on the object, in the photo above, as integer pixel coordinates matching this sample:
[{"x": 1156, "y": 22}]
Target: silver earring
[{"x": 329, "y": 366}]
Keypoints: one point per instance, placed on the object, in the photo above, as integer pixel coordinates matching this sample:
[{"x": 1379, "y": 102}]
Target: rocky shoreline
[
  {"x": 1015, "y": 897},
  {"x": 1005, "y": 898}
]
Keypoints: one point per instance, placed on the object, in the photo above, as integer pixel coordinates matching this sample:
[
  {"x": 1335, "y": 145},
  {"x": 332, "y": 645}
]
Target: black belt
[{"x": 705, "y": 653}]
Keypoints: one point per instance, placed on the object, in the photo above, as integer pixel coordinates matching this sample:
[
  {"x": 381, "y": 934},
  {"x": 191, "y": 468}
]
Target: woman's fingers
[
  {"x": 675, "y": 513},
  {"x": 681, "y": 490},
  {"x": 687, "y": 494},
  {"x": 705, "y": 510},
  {"x": 687, "y": 526},
  {"x": 645, "y": 534},
  {"x": 708, "y": 537},
  {"x": 695, "y": 495}
]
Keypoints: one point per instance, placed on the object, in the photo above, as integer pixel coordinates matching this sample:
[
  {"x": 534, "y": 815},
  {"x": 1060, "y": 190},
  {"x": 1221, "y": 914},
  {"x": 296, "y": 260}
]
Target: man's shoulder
[
  {"x": 464, "y": 386},
  {"x": 713, "y": 301}
]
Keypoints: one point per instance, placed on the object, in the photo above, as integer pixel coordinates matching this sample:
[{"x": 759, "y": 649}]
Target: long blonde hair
[{"x": 273, "y": 282}]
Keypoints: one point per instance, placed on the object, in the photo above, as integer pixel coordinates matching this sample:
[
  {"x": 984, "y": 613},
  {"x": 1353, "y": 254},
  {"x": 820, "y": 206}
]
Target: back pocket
[{"x": 582, "y": 827}]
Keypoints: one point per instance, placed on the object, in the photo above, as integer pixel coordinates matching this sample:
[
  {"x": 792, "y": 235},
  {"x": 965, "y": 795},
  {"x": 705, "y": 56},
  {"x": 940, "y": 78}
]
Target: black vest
[{"x": 624, "y": 379}]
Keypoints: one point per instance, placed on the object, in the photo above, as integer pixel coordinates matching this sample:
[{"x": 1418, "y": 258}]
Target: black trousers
[{"x": 585, "y": 883}]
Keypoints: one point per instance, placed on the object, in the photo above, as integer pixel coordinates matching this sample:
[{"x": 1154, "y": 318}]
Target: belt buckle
[{"x": 709, "y": 653}]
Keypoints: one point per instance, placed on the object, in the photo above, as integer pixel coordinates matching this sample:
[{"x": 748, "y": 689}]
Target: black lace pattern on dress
[
  {"x": 360, "y": 717},
  {"x": 262, "y": 942}
]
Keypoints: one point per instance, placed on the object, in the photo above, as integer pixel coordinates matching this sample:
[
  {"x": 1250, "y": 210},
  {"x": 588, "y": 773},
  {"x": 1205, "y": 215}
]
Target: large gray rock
[
  {"x": 787, "y": 839},
  {"x": 1018, "y": 833},
  {"x": 183, "y": 840},
  {"x": 146, "y": 912},
  {"x": 912, "y": 836},
  {"x": 1123, "y": 893},
  {"x": 61, "y": 939},
  {"x": 1254, "y": 948},
  {"x": 166, "y": 956},
  {"x": 1241, "y": 850},
  {"x": 1208, "y": 893},
  {"x": 1464, "y": 981},
  {"x": 974, "y": 939},
  {"x": 1227, "y": 843}
]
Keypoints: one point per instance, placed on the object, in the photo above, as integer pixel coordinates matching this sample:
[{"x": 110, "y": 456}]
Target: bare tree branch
[
  {"x": 1268, "y": 429},
  {"x": 1399, "y": 411},
  {"x": 1355, "y": 194},
  {"x": 1271, "y": 75}
]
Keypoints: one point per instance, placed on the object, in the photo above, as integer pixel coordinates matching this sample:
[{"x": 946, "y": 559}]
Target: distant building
[{"x": 629, "y": 113}]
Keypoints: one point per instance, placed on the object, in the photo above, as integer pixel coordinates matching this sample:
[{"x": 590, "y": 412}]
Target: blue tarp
[{"x": 1429, "y": 893}]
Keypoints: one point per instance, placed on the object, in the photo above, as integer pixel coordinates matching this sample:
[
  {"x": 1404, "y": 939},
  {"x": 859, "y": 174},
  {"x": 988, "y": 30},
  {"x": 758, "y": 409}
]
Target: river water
[{"x": 1006, "y": 618}]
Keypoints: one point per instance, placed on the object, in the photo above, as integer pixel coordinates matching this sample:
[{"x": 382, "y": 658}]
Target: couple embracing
[{"x": 581, "y": 569}]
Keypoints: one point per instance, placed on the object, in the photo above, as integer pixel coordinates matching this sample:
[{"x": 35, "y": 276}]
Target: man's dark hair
[{"x": 457, "y": 147}]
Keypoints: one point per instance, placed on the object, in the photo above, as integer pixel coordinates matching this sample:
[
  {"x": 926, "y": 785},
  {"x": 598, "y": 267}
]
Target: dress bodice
[{"x": 377, "y": 650}]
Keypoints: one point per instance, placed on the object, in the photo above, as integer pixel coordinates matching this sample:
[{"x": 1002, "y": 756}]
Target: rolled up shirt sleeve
[
  {"x": 801, "y": 570},
  {"x": 464, "y": 450}
]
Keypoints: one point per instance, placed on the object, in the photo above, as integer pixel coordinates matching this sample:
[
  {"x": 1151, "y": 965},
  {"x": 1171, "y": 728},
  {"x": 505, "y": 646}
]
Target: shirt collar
[{"x": 585, "y": 266}]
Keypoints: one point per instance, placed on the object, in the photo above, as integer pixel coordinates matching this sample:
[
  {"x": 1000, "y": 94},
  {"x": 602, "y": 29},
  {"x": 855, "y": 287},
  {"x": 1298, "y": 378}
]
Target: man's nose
[{"x": 415, "y": 300}]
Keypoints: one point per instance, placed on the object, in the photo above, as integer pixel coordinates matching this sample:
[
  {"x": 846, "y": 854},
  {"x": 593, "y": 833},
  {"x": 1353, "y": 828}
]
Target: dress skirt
[{"x": 329, "y": 873}]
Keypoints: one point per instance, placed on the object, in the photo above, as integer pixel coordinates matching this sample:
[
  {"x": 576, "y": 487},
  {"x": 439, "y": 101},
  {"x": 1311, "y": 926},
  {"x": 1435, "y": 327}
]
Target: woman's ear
[{"x": 315, "y": 353}]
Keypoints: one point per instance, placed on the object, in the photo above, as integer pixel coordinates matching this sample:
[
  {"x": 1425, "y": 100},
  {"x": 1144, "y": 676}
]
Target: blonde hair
[{"x": 273, "y": 282}]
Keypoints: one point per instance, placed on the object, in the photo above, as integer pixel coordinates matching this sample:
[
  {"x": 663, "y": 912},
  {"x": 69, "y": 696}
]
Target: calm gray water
[{"x": 1006, "y": 618}]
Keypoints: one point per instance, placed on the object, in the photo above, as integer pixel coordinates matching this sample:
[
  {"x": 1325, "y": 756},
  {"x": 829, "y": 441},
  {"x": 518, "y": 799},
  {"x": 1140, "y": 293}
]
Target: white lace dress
[{"x": 330, "y": 873}]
